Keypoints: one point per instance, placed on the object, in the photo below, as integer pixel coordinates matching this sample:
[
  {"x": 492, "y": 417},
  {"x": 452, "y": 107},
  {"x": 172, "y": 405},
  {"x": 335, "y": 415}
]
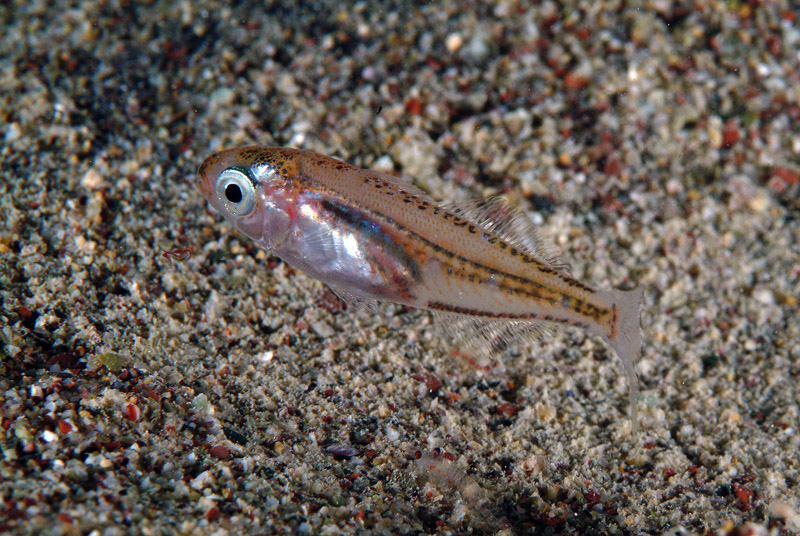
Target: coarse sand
[{"x": 159, "y": 374}]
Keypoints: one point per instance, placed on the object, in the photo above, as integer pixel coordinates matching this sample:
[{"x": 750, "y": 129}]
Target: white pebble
[
  {"x": 13, "y": 132},
  {"x": 764, "y": 296},
  {"x": 223, "y": 96},
  {"x": 92, "y": 180},
  {"x": 323, "y": 329},
  {"x": 202, "y": 480},
  {"x": 454, "y": 42},
  {"x": 477, "y": 48}
]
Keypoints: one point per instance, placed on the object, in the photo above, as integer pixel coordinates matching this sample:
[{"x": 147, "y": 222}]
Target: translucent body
[{"x": 372, "y": 236}]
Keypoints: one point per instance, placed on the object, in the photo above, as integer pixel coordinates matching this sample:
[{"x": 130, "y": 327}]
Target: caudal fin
[{"x": 627, "y": 342}]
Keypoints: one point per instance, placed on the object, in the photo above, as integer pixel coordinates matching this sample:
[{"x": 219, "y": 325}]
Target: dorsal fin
[{"x": 495, "y": 215}]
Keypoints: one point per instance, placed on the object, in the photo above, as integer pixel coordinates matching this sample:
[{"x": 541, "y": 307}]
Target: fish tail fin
[{"x": 627, "y": 341}]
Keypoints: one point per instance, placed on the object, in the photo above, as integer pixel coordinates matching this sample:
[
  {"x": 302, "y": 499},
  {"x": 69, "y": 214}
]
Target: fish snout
[{"x": 210, "y": 170}]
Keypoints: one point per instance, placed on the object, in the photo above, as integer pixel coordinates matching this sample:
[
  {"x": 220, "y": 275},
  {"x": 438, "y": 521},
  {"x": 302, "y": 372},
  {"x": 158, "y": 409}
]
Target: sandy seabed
[{"x": 159, "y": 374}]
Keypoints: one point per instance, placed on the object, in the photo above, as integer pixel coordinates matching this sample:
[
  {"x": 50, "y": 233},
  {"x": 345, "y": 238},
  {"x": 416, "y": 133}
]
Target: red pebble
[
  {"x": 64, "y": 427},
  {"x": 613, "y": 166},
  {"x": 132, "y": 412},
  {"x": 592, "y": 497},
  {"x": 509, "y": 410},
  {"x": 744, "y": 495},
  {"x": 213, "y": 513},
  {"x": 787, "y": 175},
  {"x": 220, "y": 451},
  {"x": 730, "y": 134},
  {"x": 575, "y": 81},
  {"x": 432, "y": 382},
  {"x": 413, "y": 106}
]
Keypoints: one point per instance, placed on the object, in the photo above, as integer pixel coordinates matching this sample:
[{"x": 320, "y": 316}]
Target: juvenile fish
[{"x": 374, "y": 237}]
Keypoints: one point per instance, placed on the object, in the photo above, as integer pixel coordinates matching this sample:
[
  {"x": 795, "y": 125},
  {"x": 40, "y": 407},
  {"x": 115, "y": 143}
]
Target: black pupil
[{"x": 233, "y": 193}]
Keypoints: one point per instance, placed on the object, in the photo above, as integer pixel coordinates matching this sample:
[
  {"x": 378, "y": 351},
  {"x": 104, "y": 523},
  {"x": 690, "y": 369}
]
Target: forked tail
[{"x": 628, "y": 340}]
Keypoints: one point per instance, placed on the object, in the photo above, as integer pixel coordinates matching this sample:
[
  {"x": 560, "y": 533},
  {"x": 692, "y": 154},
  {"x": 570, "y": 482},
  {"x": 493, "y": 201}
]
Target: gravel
[{"x": 159, "y": 374}]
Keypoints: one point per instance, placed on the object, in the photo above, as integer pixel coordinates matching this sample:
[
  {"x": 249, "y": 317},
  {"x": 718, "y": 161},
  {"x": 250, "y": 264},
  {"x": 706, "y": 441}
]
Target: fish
[{"x": 481, "y": 267}]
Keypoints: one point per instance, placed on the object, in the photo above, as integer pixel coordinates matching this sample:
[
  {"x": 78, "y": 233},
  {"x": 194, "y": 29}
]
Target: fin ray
[
  {"x": 496, "y": 215},
  {"x": 486, "y": 337},
  {"x": 355, "y": 302}
]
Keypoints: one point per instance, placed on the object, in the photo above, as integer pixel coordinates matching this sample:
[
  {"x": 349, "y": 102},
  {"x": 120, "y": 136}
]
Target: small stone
[
  {"x": 92, "y": 180},
  {"x": 76, "y": 471},
  {"x": 454, "y": 42},
  {"x": 477, "y": 49},
  {"x": 674, "y": 186},
  {"x": 223, "y": 96},
  {"x": 36, "y": 392},
  {"x": 220, "y": 451},
  {"x": 764, "y": 296},
  {"x": 323, "y": 329},
  {"x": 132, "y": 412},
  {"x": 544, "y": 412},
  {"x": 213, "y": 514},
  {"x": 714, "y": 131},
  {"x": 202, "y": 480},
  {"x": 13, "y": 132},
  {"x": 509, "y": 410},
  {"x": 342, "y": 451},
  {"x": 759, "y": 203}
]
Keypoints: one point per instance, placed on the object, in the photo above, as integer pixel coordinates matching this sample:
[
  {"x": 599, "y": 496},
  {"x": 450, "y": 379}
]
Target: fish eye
[{"x": 236, "y": 191}]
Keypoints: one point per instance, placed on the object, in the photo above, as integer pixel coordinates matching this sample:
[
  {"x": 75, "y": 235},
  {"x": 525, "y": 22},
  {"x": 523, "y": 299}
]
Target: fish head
[{"x": 250, "y": 187}]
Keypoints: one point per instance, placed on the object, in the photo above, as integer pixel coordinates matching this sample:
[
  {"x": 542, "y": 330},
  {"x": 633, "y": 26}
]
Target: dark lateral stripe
[
  {"x": 532, "y": 317},
  {"x": 613, "y": 334},
  {"x": 439, "y": 306}
]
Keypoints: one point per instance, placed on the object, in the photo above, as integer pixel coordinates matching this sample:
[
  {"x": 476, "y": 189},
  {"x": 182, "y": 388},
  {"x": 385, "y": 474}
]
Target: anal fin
[
  {"x": 355, "y": 302},
  {"x": 489, "y": 337}
]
